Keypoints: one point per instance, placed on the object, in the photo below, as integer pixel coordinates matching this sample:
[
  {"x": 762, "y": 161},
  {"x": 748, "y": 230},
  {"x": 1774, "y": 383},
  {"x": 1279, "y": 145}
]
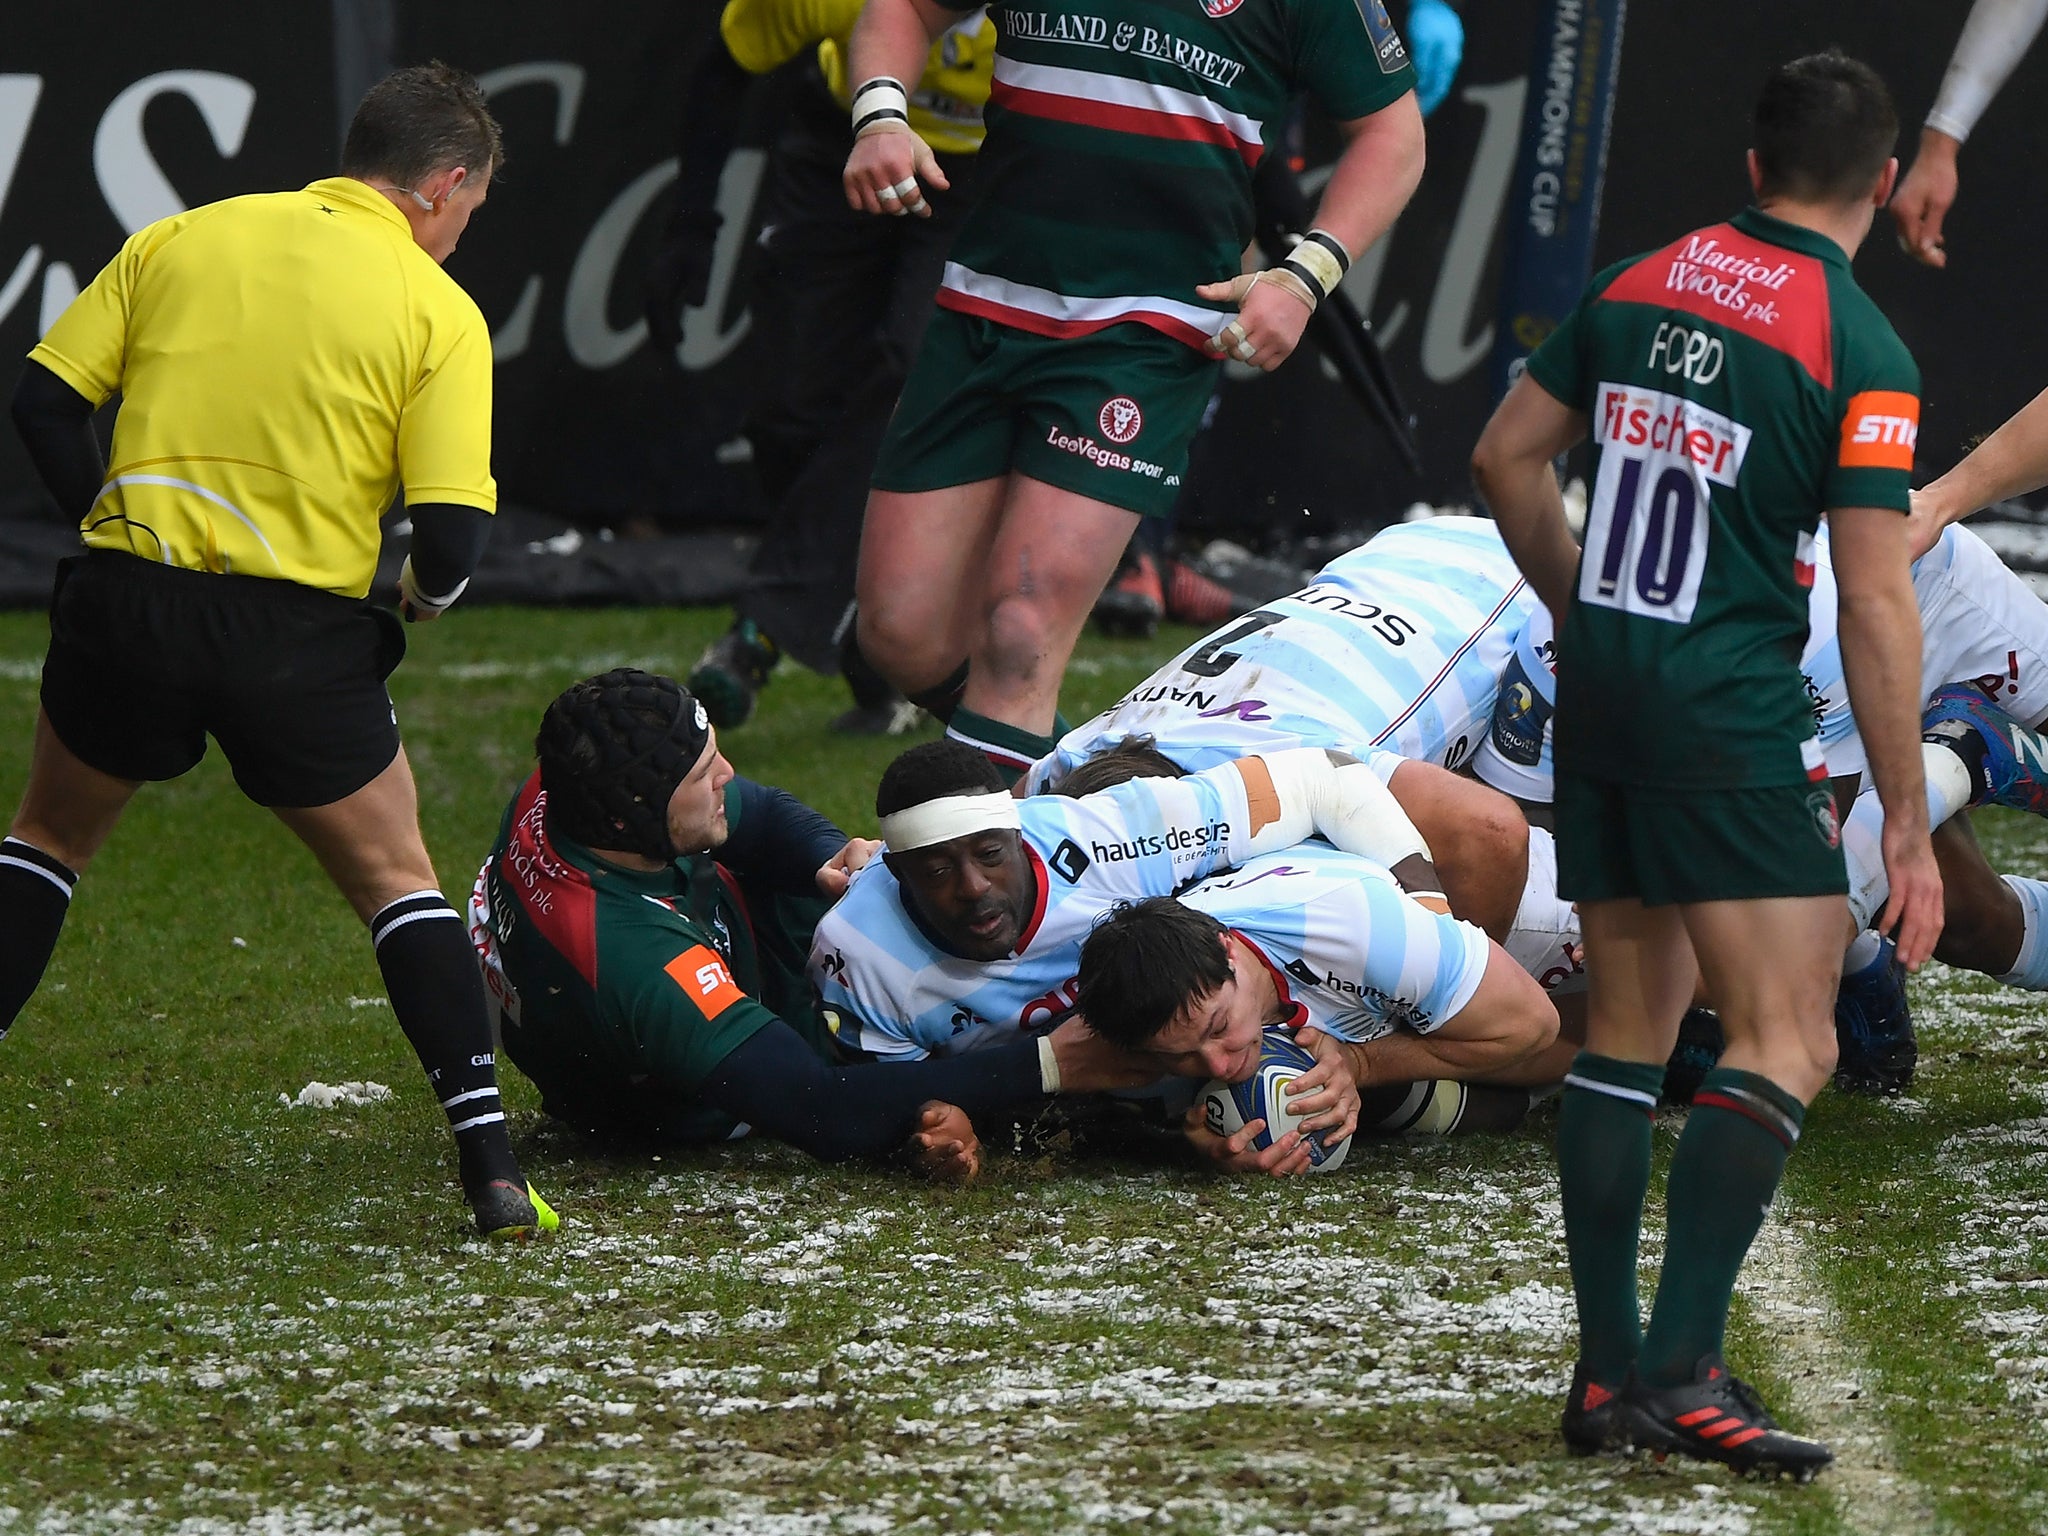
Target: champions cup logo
[
  {"x": 1220, "y": 8},
  {"x": 1120, "y": 419}
]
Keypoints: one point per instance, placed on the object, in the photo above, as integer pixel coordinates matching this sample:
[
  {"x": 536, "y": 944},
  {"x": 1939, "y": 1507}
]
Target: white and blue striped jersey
[
  {"x": 899, "y": 996},
  {"x": 1979, "y": 623},
  {"x": 1396, "y": 646},
  {"x": 1349, "y": 951}
]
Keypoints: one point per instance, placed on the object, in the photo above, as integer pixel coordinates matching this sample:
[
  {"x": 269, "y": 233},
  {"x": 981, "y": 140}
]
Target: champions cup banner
[{"x": 103, "y": 129}]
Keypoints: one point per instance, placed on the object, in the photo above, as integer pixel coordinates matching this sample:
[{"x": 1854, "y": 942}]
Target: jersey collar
[
  {"x": 1292, "y": 1014},
  {"x": 362, "y": 197},
  {"x": 1797, "y": 237}
]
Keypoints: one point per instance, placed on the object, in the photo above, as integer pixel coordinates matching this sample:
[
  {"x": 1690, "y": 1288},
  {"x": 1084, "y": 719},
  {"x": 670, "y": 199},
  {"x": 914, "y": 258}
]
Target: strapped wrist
[{"x": 879, "y": 105}]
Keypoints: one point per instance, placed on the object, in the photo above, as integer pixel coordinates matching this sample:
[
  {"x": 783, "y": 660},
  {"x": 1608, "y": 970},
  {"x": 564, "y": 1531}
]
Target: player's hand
[
  {"x": 679, "y": 274},
  {"x": 1325, "y": 1096},
  {"x": 1914, "y": 908},
  {"x": 1235, "y": 1154},
  {"x": 889, "y": 171},
  {"x": 837, "y": 872},
  {"x": 945, "y": 1148},
  {"x": 417, "y": 607},
  {"x": 1924, "y": 523},
  {"x": 1436, "y": 42},
  {"x": 1269, "y": 321},
  {"x": 1924, "y": 197},
  {"x": 1090, "y": 1064}
]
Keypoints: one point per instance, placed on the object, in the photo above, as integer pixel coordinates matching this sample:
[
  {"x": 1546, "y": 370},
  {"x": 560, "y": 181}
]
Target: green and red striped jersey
[
  {"x": 1121, "y": 139},
  {"x": 1738, "y": 385}
]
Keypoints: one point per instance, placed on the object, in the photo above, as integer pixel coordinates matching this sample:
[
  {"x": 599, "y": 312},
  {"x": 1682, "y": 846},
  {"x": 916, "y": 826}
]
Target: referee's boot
[
  {"x": 731, "y": 673},
  {"x": 878, "y": 709},
  {"x": 1718, "y": 1417},
  {"x": 507, "y": 1213},
  {"x": 2008, "y": 764},
  {"x": 1875, "y": 1049},
  {"x": 1594, "y": 1422}
]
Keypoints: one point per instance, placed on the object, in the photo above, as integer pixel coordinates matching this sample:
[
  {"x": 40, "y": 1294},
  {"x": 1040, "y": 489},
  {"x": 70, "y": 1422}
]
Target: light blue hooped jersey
[
  {"x": 1396, "y": 646},
  {"x": 1350, "y": 952},
  {"x": 894, "y": 993}
]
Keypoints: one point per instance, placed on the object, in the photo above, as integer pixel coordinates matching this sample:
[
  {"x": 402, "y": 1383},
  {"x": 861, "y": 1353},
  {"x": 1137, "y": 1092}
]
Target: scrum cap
[{"x": 612, "y": 750}]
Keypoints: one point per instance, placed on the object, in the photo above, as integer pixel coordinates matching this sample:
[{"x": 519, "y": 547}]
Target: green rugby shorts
[
  {"x": 1108, "y": 415},
  {"x": 1669, "y": 846}
]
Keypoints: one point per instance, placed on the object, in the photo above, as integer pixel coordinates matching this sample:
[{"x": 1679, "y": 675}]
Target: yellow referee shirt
[
  {"x": 285, "y": 363},
  {"x": 946, "y": 102}
]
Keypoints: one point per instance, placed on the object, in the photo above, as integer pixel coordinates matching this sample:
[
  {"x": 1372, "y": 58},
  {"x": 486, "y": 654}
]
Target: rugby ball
[{"x": 1228, "y": 1108}]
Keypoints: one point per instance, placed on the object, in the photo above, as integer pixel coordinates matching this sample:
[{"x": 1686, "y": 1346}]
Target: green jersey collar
[{"x": 1796, "y": 237}]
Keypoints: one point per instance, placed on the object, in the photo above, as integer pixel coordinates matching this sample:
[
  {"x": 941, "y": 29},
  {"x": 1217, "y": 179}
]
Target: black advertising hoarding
[
  {"x": 109, "y": 123},
  {"x": 102, "y": 129}
]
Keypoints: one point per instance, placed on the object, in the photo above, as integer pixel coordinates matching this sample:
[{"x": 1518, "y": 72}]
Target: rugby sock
[
  {"x": 1863, "y": 952},
  {"x": 35, "y": 893},
  {"x": 1604, "y": 1120},
  {"x": 436, "y": 990},
  {"x": 939, "y": 701},
  {"x": 2030, "y": 965},
  {"x": 1723, "y": 1175},
  {"x": 1011, "y": 748}
]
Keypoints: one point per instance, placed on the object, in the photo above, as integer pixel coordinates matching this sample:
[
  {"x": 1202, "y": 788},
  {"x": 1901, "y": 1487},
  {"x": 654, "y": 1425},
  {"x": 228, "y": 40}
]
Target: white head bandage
[{"x": 948, "y": 817}]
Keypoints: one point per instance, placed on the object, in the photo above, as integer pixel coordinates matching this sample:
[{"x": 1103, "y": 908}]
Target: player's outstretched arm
[
  {"x": 1996, "y": 36},
  {"x": 1308, "y": 791},
  {"x": 1508, "y": 1025},
  {"x": 1880, "y": 630},
  {"x": 1373, "y": 179},
  {"x": 890, "y": 165},
  {"x": 1511, "y": 466},
  {"x": 2010, "y": 462}
]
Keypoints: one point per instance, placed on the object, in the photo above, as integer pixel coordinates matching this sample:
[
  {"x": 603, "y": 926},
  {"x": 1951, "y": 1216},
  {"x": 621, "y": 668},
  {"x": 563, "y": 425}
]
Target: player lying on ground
[
  {"x": 1695, "y": 828},
  {"x": 655, "y": 993},
  {"x": 1980, "y": 621},
  {"x": 286, "y": 363},
  {"x": 1316, "y": 938},
  {"x": 1392, "y": 653},
  {"x": 968, "y": 932}
]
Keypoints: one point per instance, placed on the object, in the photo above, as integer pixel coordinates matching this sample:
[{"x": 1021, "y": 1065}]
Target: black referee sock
[
  {"x": 35, "y": 893},
  {"x": 436, "y": 990}
]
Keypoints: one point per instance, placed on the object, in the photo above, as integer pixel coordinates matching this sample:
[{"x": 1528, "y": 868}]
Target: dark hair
[
  {"x": 420, "y": 120},
  {"x": 1135, "y": 757},
  {"x": 1824, "y": 128},
  {"x": 612, "y": 750},
  {"x": 1145, "y": 962},
  {"x": 931, "y": 770}
]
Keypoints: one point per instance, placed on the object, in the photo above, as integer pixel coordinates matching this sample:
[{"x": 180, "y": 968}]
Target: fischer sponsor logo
[
  {"x": 1630, "y": 417},
  {"x": 1120, "y": 420},
  {"x": 1729, "y": 279},
  {"x": 1106, "y": 458}
]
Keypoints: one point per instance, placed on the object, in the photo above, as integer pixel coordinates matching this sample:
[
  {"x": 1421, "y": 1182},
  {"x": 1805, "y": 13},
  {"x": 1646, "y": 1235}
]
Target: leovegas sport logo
[
  {"x": 1120, "y": 420},
  {"x": 1880, "y": 430}
]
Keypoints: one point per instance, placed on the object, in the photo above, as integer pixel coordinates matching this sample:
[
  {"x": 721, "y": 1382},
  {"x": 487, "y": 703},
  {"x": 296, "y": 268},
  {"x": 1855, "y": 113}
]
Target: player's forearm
[
  {"x": 55, "y": 423},
  {"x": 1292, "y": 795},
  {"x": 1880, "y": 630},
  {"x": 1375, "y": 176},
  {"x": 892, "y": 38},
  {"x": 779, "y": 840},
  {"x": 2010, "y": 462},
  {"x": 1523, "y": 495},
  {"x": 1996, "y": 36},
  {"x": 1407, "y": 1058}
]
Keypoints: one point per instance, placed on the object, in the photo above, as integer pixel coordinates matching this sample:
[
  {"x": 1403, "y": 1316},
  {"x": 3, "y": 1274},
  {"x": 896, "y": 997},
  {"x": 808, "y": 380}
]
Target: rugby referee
[{"x": 286, "y": 362}]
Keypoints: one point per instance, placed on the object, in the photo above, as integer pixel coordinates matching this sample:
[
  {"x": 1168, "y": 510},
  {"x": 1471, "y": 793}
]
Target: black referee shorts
[{"x": 147, "y": 660}]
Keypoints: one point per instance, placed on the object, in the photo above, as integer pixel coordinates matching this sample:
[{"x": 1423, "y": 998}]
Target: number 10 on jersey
[{"x": 1648, "y": 524}]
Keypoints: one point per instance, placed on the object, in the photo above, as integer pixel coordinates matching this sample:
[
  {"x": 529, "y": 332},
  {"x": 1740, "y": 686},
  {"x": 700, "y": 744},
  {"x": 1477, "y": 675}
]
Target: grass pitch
[{"x": 224, "y": 1311}]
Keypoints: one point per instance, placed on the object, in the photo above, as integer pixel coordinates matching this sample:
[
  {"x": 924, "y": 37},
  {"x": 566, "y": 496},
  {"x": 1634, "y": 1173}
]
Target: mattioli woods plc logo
[
  {"x": 1120, "y": 419},
  {"x": 1220, "y": 8}
]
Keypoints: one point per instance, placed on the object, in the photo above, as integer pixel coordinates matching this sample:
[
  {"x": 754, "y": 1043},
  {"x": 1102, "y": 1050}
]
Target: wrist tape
[
  {"x": 880, "y": 104},
  {"x": 1319, "y": 262}
]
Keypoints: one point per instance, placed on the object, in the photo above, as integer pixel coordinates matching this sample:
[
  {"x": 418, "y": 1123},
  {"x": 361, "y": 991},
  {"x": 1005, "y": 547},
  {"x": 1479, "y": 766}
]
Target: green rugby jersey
[
  {"x": 1122, "y": 134},
  {"x": 1738, "y": 384},
  {"x": 620, "y": 990}
]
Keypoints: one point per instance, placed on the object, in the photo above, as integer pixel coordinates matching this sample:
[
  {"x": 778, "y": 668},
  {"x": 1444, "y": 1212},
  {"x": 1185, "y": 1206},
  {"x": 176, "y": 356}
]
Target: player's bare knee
[{"x": 1019, "y": 638}]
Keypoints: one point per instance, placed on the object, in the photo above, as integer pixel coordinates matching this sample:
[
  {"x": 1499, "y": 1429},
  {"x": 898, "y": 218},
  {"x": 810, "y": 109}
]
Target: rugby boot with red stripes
[
  {"x": 1593, "y": 1418},
  {"x": 1718, "y": 1417},
  {"x": 1133, "y": 602},
  {"x": 2008, "y": 764}
]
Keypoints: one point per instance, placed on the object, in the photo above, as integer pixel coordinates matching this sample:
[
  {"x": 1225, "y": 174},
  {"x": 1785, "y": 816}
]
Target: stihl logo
[{"x": 1880, "y": 430}]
